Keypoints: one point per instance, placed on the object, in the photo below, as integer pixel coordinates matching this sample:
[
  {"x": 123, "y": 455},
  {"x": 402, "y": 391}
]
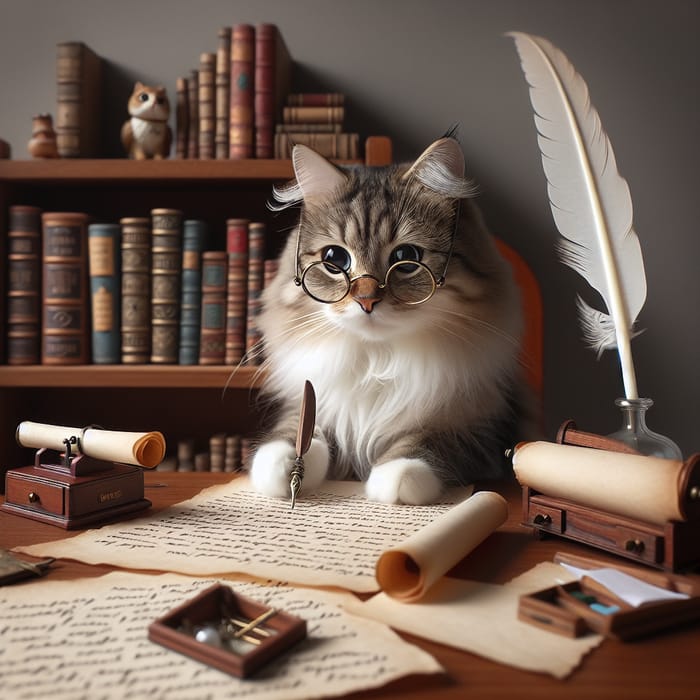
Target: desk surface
[{"x": 658, "y": 667}]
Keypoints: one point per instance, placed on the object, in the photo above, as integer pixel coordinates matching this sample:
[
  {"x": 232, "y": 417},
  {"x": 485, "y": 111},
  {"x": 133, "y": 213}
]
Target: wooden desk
[{"x": 660, "y": 668}]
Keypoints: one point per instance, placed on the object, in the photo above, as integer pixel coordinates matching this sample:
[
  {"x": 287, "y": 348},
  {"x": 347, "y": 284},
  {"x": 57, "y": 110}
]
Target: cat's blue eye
[
  {"x": 405, "y": 254},
  {"x": 338, "y": 257}
]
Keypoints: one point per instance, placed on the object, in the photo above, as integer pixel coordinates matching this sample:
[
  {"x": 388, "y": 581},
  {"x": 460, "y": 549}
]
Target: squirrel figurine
[{"x": 147, "y": 134}]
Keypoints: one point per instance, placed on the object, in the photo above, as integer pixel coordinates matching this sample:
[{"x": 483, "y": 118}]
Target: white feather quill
[{"x": 590, "y": 201}]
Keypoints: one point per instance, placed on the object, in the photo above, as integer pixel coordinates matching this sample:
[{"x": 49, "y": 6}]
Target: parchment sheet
[
  {"x": 481, "y": 618},
  {"x": 331, "y": 538},
  {"x": 145, "y": 449},
  {"x": 88, "y": 639},
  {"x": 645, "y": 488}
]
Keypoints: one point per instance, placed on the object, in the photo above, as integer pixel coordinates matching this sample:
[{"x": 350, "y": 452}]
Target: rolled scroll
[
  {"x": 651, "y": 489},
  {"x": 407, "y": 571},
  {"x": 142, "y": 449}
]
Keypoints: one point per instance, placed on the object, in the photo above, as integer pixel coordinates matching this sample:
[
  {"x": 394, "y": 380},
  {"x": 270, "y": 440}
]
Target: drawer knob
[
  {"x": 33, "y": 497},
  {"x": 542, "y": 519},
  {"x": 636, "y": 546}
]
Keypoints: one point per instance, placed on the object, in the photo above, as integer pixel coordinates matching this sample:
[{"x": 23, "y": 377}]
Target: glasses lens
[
  {"x": 410, "y": 282},
  {"x": 325, "y": 282}
]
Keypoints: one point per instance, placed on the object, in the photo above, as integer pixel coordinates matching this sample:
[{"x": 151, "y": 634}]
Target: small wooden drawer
[
  {"x": 636, "y": 543},
  {"x": 35, "y": 495},
  {"x": 545, "y": 517}
]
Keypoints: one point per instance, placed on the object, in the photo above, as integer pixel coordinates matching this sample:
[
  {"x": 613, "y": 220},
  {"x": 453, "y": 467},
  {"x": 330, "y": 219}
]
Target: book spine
[
  {"x": 105, "y": 283},
  {"x": 135, "y": 290},
  {"x": 24, "y": 285},
  {"x": 193, "y": 123},
  {"x": 272, "y": 82},
  {"x": 343, "y": 146},
  {"x": 166, "y": 273},
  {"x": 308, "y": 128},
  {"x": 242, "y": 91},
  {"x": 223, "y": 93},
  {"x": 207, "y": 105},
  {"x": 78, "y": 83},
  {"x": 256, "y": 264},
  {"x": 65, "y": 325},
  {"x": 182, "y": 117},
  {"x": 237, "y": 289},
  {"x": 212, "y": 340},
  {"x": 316, "y": 99},
  {"x": 194, "y": 235},
  {"x": 313, "y": 115}
]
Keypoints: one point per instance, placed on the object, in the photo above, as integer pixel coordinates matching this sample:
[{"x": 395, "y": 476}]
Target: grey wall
[{"x": 410, "y": 70}]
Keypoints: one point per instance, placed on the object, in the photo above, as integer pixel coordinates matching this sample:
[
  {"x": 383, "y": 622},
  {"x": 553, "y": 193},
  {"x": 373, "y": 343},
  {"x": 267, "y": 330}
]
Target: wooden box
[{"x": 265, "y": 640}]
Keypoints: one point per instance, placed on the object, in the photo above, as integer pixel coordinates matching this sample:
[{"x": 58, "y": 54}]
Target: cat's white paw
[
  {"x": 403, "y": 481},
  {"x": 269, "y": 473}
]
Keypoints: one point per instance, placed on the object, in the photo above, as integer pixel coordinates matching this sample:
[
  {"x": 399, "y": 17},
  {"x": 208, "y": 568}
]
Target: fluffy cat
[
  {"x": 147, "y": 134},
  {"x": 410, "y": 397}
]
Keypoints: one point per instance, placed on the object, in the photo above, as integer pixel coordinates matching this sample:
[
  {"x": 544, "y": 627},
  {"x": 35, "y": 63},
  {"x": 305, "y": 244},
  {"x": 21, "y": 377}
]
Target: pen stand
[
  {"x": 673, "y": 546},
  {"x": 227, "y": 631},
  {"x": 73, "y": 490}
]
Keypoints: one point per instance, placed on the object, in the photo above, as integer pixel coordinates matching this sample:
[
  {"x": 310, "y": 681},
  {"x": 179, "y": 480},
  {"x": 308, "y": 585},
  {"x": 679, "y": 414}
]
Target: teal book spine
[
  {"x": 104, "y": 244},
  {"x": 194, "y": 238}
]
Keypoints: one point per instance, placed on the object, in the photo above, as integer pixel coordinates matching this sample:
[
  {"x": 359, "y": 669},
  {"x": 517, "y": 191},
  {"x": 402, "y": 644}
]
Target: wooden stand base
[{"x": 54, "y": 494}]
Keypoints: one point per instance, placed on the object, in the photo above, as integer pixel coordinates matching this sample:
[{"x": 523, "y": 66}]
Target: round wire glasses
[{"x": 408, "y": 281}]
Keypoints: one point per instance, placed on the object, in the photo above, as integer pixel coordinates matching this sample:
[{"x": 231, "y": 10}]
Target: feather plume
[{"x": 590, "y": 201}]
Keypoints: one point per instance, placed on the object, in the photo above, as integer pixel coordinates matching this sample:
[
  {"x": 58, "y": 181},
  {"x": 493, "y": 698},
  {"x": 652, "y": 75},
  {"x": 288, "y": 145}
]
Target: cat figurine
[
  {"x": 393, "y": 301},
  {"x": 147, "y": 134}
]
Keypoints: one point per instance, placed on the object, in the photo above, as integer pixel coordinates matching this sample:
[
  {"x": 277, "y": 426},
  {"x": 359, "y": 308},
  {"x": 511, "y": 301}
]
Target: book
[
  {"x": 78, "y": 87},
  {"x": 207, "y": 105},
  {"x": 242, "y": 106},
  {"x": 313, "y": 115},
  {"x": 273, "y": 79},
  {"x": 316, "y": 99},
  {"x": 344, "y": 146},
  {"x": 182, "y": 117},
  {"x": 282, "y": 128},
  {"x": 104, "y": 248},
  {"x": 237, "y": 289},
  {"x": 65, "y": 338},
  {"x": 194, "y": 237},
  {"x": 212, "y": 338},
  {"x": 166, "y": 273},
  {"x": 193, "y": 121},
  {"x": 256, "y": 265},
  {"x": 23, "y": 285},
  {"x": 222, "y": 80},
  {"x": 135, "y": 290}
]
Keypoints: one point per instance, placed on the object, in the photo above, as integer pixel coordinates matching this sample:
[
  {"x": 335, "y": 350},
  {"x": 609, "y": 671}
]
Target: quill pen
[
  {"x": 305, "y": 432},
  {"x": 590, "y": 201}
]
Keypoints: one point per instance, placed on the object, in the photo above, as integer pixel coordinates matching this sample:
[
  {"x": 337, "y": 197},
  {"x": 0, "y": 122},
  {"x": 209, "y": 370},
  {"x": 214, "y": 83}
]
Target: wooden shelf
[{"x": 130, "y": 376}]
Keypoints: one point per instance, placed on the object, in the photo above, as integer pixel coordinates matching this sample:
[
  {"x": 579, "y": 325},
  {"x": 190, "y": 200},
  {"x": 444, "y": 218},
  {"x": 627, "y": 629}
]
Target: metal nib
[{"x": 295, "y": 478}]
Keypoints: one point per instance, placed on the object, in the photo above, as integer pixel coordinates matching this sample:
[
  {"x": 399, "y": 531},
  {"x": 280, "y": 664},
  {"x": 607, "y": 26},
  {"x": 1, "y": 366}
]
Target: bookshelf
[{"x": 181, "y": 401}]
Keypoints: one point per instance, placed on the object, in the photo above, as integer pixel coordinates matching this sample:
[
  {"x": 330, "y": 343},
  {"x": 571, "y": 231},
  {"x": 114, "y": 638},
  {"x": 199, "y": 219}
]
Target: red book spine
[
  {"x": 237, "y": 291},
  {"x": 256, "y": 265},
  {"x": 242, "y": 91}
]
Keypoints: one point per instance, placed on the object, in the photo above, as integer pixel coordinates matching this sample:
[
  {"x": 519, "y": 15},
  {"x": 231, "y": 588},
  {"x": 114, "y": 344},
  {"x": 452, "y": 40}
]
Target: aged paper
[
  {"x": 407, "y": 571},
  {"x": 482, "y": 618},
  {"x": 637, "y": 486},
  {"x": 331, "y": 538},
  {"x": 88, "y": 639},
  {"x": 145, "y": 449}
]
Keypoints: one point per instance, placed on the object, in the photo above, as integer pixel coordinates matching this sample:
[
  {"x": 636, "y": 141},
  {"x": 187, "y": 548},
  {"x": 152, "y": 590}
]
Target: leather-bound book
[
  {"x": 237, "y": 289},
  {"x": 222, "y": 80},
  {"x": 23, "y": 285},
  {"x": 242, "y": 118},
  {"x": 65, "y": 314},
  {"x": 212, "y": 338},
  {"x": 194, "y": 236},
  {"x": 207, "y": 105}
]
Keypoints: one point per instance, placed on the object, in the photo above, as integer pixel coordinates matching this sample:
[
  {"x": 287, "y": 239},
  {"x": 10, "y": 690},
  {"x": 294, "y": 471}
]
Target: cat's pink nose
[{"x": 366, "y": 292}]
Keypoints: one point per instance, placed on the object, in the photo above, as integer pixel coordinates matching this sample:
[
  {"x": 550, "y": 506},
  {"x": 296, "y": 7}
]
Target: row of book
[
  {"x": 144, "y": 290},
  {"x": 223, "y": 453},
  {"x": 239, "y": 103}
]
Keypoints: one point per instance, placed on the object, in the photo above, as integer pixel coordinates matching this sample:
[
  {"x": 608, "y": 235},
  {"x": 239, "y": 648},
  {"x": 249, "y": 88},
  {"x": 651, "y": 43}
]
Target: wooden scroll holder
[
  {"x": 73, "y": 490},
  {"x": 674, "y": 546}
]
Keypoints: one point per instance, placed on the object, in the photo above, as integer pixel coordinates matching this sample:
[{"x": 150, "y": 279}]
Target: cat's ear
[
  {"x": 317, "y": 178},
  {"x": 440, "y": 168},
  {"x": 138, "y": 85},
  {"x": 443, "y": 153}
]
